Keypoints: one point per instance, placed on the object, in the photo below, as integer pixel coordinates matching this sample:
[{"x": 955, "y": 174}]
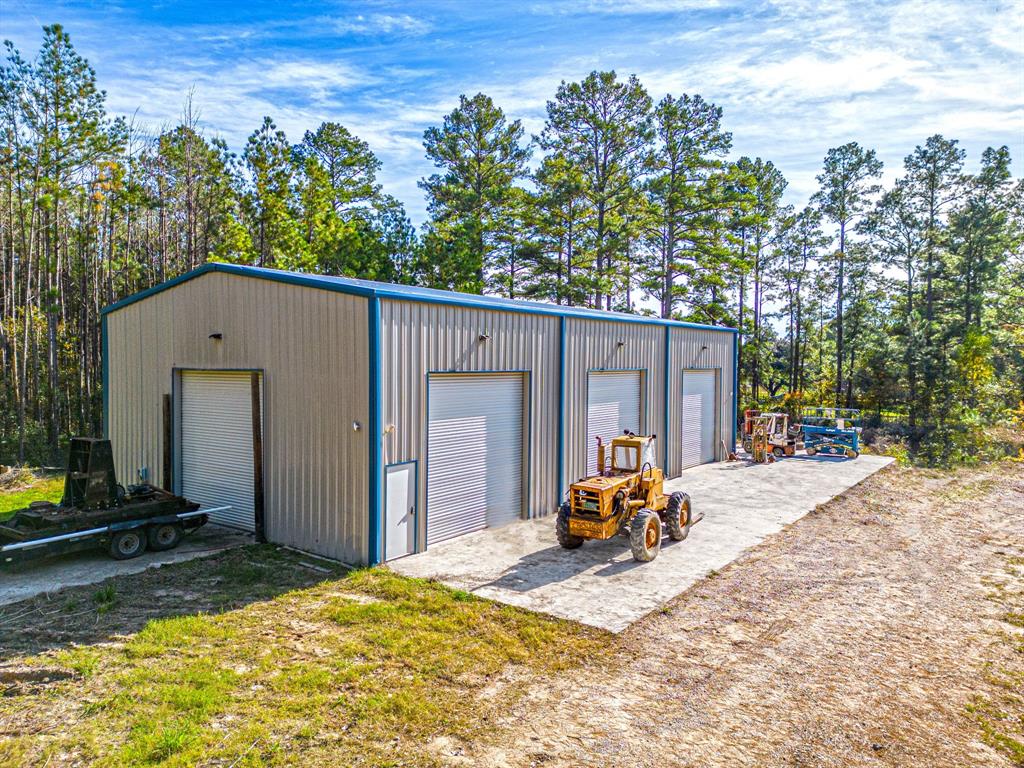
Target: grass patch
[
  {"x": 44, "y": 489},
  {"x": 366, "y": 669}
]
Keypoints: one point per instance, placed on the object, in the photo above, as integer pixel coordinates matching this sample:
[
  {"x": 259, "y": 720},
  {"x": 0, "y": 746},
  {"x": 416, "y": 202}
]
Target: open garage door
[
  {"x": 475, "y": 464},
  {"x": 699, "y": 417},
  {"x": 613, "y": 406},
  {"x": 217, "y": 444}
]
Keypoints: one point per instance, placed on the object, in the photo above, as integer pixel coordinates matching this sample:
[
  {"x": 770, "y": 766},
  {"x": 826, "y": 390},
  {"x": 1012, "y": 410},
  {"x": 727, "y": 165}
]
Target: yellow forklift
[
  {"x": 625, "y": 497},
  {"x": 769, "y": 433}
]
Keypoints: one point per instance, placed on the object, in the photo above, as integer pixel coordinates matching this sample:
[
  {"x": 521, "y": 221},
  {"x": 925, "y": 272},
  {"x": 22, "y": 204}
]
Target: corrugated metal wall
[
  {"x": 687, "y": 353},
  {"x": 419, "y": 338},
  {"x": 592, "y": 345},
  {"x": 312, "y": 345},
  {"x": 313, "y": 348}
]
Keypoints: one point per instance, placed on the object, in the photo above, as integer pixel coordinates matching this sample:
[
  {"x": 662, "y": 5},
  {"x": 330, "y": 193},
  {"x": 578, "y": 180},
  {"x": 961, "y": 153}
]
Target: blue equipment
[{"x": 832, "y": 431}]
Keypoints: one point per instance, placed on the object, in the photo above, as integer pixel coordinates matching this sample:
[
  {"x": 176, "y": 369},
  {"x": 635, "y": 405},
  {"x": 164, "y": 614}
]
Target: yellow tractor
[{"x": 625, "y": 498}]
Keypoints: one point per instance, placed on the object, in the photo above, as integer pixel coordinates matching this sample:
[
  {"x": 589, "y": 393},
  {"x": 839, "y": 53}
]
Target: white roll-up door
[
  {"x": 699, "y": 412},
  {"x": 216, "y": 444},
  {"x": 613, "y": 406},
  {"x": 475, "y": 462}
]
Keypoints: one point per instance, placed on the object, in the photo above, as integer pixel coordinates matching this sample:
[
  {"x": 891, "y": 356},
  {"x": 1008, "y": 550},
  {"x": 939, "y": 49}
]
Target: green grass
[
  {"x": 365, "y": 669},
  {"x": 45, "y": 489}
]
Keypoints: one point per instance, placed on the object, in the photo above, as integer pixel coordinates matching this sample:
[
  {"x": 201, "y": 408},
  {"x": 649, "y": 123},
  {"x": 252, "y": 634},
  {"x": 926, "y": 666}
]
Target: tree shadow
[{"x": 124, "y": 604}]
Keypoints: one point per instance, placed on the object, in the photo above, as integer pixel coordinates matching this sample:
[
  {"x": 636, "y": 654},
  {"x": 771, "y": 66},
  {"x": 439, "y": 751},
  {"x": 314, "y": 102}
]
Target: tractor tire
[
  {"x": 678, "y": 516},
  {"x": 163, "y": 536},
  {"x": 645, "y": 535},
  {"x": 566, "y": 539},
  {"x": 778, "y": 452},
  {"x": 124, "y": 545}
]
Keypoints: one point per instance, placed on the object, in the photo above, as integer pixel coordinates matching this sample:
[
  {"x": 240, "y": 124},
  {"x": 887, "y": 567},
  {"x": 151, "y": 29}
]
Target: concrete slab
[
  {"x": 43, "y": 576},
  {"x": 600, "y": 584}
]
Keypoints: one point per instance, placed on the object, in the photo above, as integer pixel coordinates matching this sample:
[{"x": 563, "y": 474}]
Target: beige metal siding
[
  {"x": 687, "y": 353},
  {"x": 312, "y": 345},
  {"x": 592, "y": 345},
  {"x": 419, "y": 338}
]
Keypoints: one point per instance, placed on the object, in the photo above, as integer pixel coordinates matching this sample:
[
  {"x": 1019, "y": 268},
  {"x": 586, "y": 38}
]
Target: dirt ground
[{"x": 882, "y": 629}]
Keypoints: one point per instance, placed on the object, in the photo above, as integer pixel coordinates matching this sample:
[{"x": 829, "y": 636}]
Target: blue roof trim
[{"x": 370, "y": 288}]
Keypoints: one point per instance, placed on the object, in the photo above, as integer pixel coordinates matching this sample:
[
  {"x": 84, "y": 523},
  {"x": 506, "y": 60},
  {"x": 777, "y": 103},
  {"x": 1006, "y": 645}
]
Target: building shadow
[{"x": 122, "y": 605}]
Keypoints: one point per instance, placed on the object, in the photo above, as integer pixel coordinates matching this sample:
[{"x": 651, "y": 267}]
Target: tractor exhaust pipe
[{"x": 600, "y": 455}]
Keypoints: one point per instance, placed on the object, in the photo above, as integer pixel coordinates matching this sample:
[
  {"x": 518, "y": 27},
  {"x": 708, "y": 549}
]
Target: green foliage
[
  {"x": 471, "y": 203},
  {"x": 906, "y": 299}
]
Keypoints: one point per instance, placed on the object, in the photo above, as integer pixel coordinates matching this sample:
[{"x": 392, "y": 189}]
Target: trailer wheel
[
  {"x": 163, "y": 536},
  {"x": 678, "y": 516},
  {"x": 852, "y": 454},
  {"x": 124, "y": 545},
  {"x": 778, "y": 452},
  {"x": 566, "y": 539},
  {"x": 810, "y": 451},
  {"x": 645, "y": 536}
]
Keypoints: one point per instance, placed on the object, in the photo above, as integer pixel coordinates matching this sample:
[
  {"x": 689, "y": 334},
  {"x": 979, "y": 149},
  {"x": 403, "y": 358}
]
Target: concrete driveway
[
  {"x": 42, "y": 576},
  {"x": 600, "y": 584}
]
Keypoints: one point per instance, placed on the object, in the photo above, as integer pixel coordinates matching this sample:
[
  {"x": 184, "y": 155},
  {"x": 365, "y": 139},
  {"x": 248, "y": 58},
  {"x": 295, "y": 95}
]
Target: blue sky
[{"x": 794, "y": 78}]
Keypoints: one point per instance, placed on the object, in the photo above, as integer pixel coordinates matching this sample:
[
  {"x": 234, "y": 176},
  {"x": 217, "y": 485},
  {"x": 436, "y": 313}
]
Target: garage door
[
  {"x": 613, "y": 406},
  {"x": 474, "y": 453},
  {"x": 216, "y": 444},
  {"x": 698, "y": 417}
]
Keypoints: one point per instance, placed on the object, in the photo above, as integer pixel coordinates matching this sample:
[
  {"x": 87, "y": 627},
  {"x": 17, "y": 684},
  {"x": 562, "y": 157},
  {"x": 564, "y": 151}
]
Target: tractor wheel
[
  {"x": 778, "y": 452},
  {"x": 678, "y": 516},
  {"x": 810, "y": 451},
  {"x": 163, "y": 536},
  {"x": 124, "y": 545},
  {"x": 645, "y": 535},
  {"x": 566, "y": 539}
]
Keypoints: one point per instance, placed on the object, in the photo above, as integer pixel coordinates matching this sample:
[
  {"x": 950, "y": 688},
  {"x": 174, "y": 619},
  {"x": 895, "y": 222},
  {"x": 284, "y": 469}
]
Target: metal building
[{"x": 365, "y": 421}]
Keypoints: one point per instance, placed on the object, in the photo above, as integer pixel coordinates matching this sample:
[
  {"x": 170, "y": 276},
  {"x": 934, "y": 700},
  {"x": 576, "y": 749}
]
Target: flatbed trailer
[{"x": 96, "y": 511}]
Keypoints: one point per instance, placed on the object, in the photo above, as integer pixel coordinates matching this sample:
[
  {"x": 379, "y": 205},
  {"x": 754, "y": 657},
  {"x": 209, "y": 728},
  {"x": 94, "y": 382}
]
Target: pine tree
[
  {"x": 688, "y": 196},
  {"x": 602, "y": 126},
  {"x": 846, "y": 188},
  {"x": 482, "y": 155}
]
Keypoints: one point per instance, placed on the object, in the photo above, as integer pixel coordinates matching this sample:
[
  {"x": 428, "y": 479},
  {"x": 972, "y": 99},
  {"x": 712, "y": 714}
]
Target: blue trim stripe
[
  {"x": 560, "y": 479},
  {"x": 375, "y": 437},
  {"x": 735, "y": 389},
  {"x": 370, "y": 288},
  {"x": 667, "y": 399}
]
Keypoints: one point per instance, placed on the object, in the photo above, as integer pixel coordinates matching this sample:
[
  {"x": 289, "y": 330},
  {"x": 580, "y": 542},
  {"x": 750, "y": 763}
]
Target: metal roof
[{"x": 371, "y": 288}]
